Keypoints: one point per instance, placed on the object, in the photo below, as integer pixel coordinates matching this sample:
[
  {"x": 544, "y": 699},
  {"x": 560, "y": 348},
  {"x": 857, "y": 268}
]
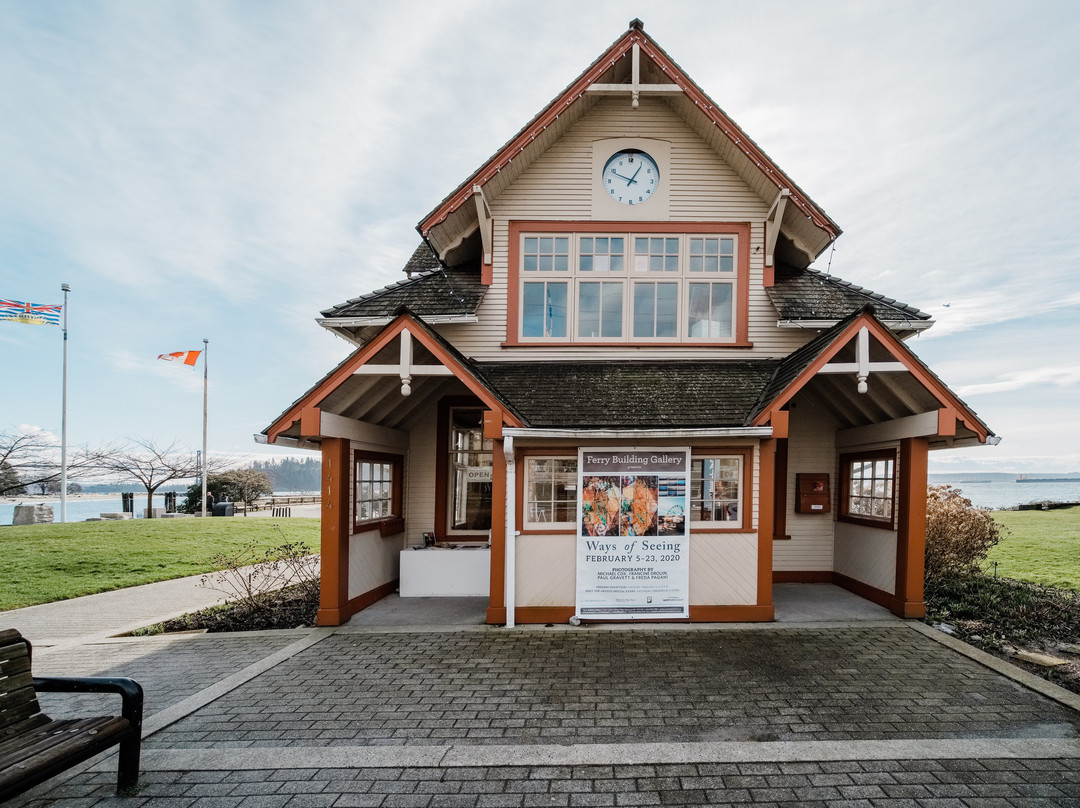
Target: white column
[{"x": 511, "y": 527}]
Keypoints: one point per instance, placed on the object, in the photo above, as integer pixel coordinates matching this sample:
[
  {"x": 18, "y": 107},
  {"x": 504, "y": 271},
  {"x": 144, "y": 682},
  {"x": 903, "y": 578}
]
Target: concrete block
[{"x": 33, "y": 515}]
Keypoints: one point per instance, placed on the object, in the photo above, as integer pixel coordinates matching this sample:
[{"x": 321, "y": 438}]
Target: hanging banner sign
[{"x": 633, "y": 558}]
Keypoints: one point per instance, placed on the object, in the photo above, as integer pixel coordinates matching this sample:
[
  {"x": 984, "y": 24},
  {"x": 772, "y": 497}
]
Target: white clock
[{"x": 630, "y": 177}]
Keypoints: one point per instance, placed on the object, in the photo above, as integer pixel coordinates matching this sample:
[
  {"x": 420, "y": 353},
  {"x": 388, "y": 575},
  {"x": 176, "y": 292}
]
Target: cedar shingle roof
[
  {"x": 806, "y": 294},
  {"x": 656, "y": 395},
  {"x": 431, "y": 291}
]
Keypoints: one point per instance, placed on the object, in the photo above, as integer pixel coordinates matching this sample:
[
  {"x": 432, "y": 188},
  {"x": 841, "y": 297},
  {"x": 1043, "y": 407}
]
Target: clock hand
[
  {"x": 621, "y": 177},
  {"x": 634, "y": 178}
]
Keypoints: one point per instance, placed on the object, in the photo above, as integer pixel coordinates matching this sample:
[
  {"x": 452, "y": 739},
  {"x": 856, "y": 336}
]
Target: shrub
[{"x": 958, "y": 535}]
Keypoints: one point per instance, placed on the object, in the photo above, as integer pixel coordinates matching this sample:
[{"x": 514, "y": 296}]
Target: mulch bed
[{"x": 1002, "y": 616}]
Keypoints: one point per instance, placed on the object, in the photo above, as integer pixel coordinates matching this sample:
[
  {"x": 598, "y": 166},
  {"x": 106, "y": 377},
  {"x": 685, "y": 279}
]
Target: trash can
[
  {"x": 170, "y": 502},
  {"x": 224, "y": 509},
  {"x": 127, "y": 500}
]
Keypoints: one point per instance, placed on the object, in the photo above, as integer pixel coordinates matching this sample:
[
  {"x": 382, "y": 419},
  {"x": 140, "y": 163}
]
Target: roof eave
[{"x": 892, "y": 325}]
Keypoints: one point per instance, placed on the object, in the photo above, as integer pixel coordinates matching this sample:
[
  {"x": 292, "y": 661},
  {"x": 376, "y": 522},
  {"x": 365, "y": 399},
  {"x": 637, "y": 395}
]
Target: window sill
[
  {"x": 390, "y": 526},
  {"x": 561, "y": 343},
  {"x": 880, "y": 524}
]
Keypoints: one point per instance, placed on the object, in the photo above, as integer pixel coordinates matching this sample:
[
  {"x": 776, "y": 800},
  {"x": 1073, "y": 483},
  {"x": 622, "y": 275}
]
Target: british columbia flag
[{"x": 36, "y": 313}]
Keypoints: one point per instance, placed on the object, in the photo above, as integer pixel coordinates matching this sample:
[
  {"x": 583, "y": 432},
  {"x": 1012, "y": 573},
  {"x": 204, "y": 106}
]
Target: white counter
[{"x": 460, "y": 573}]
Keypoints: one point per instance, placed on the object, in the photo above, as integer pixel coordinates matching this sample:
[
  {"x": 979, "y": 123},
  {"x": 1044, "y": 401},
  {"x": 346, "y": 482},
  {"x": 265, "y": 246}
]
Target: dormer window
[{"x": 645, "y": 284}]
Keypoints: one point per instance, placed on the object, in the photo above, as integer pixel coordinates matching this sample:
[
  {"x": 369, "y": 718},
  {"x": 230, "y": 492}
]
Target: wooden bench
[{"x": 35, "y": 747}]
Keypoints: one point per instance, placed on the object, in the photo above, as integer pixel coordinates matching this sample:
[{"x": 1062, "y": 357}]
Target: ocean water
[
  {"x": 79, "y": 510},
  {"x": 1009, "y": 493}
]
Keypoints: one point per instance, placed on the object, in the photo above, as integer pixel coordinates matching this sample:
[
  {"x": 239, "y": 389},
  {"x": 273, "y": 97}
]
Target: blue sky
[{"x": 225, "y": 170}]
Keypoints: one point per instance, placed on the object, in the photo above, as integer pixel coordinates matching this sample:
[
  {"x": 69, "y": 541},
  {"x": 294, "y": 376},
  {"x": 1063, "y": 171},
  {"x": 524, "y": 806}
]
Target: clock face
[{"x": 630, "y": 177}]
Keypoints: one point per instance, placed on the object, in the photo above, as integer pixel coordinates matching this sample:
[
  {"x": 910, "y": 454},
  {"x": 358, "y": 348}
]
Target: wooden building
[{"x": 609, "y": 342}]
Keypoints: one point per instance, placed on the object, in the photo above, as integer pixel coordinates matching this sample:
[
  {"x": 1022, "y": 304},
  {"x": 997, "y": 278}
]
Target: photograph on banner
[{"x": 633, "y": 551}]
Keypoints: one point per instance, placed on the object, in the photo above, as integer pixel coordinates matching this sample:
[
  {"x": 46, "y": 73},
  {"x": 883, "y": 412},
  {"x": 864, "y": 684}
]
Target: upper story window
[{"x": 627, "y": 286}]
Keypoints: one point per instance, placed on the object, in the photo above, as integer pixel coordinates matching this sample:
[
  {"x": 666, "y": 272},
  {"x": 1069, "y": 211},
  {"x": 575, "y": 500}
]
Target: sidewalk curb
[{"x": 462, "y": 756}]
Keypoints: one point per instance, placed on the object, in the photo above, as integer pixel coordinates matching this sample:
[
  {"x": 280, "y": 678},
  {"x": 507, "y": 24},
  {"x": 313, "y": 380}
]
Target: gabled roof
[
  {"x": 810, "y": 295},
  {"x": 627, "y": 395},
  {"x": 444, "y": 352},
  {"x": 800, "y": 368},
  {"x": 746, "y": 157}
]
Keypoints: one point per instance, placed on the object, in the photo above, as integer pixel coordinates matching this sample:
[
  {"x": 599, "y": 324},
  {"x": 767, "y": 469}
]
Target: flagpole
[
  {"x": 205, "y": 457},
  {"x": 63, "y": 416}
]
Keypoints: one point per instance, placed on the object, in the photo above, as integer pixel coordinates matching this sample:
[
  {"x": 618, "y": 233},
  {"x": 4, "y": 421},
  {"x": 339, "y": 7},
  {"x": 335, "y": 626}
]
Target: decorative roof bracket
[
  {"x": 483, "y": 215},
  {"x": 862, "y": 366},
  {"x": 635, "y": 88},
  {"x": 773, "y": 222}
]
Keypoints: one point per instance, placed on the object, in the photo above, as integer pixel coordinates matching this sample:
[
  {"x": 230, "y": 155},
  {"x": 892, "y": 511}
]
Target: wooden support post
[
  {"x": 780, "y": 500},
  {"x": 334, "y": 581},
  {"x": 766, "y": 488},
  {"x": 911, "y": 528},
  {"x": 496, "y": 611}
]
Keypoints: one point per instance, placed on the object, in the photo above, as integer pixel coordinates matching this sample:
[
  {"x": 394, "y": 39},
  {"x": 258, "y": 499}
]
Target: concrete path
[
  {"x": 861, "y": 713},
  {"x": 107, "y": 614}
]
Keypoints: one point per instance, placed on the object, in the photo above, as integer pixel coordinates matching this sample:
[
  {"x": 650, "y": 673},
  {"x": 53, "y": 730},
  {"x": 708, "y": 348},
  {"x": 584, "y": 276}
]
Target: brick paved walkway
[
  {"x": 851, "y": 784},
  {"x": 616, "y": 687},
  {"x": 866, "y": 716}
]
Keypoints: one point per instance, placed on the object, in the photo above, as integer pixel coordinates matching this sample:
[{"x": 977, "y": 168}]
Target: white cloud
[{"x": 1058, "y": 376}]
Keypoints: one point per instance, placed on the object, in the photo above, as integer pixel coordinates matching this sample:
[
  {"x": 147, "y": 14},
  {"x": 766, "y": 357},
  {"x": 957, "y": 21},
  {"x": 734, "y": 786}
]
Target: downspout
[{"x": 511, "y": 526}]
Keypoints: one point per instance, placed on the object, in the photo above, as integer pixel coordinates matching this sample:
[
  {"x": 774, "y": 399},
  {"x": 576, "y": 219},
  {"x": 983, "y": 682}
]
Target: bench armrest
[{"x": 130, "y": 692}]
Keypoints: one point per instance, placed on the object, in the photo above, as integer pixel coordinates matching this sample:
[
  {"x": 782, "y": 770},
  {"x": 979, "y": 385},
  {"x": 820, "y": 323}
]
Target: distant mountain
[{"x": 972, "y": 477}]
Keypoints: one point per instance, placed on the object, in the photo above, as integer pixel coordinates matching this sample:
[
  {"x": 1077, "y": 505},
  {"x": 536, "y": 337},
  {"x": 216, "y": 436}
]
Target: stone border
[
  {"x": 621, "y": 627},
  {"x": 364, "y": 757},
  {"x": 1006, "y": 669}
]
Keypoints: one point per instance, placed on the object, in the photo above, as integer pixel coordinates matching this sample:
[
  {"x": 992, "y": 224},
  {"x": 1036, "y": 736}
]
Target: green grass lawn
[
  {"x": 43, "y": 563},
  {"x": 1042, "y": 546}
]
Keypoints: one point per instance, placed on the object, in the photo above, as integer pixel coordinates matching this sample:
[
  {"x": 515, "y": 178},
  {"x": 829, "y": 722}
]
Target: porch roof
[{"x": 630, "y": 395}]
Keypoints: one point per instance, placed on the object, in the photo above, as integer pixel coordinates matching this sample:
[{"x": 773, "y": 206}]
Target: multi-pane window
[
  {"x": 628, "y": 287},
  {"x": 550, "y": 492},
  {"x": 656, "y": 310},
  {"x": 868, "y": 486},
  {"x": 470, "y": 471},
  {"x": 709, "y": 310},
  {"x": 712, "y": 254},
  {"x": 543, "y": 309},
  {"x": 600, "y": 254},
  {"x": 716, "y": 489},
  {"x": 376, "y": 487},
  {"x": 653, "y": 254},
  {"x": 600, "y": 309},
  {"x": 546, "y": 254}
]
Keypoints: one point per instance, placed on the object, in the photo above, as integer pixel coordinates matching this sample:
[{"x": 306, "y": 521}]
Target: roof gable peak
[{"x": 634, "y": 65}]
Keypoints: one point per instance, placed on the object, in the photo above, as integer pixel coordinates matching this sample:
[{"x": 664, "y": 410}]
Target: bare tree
[
  {"x": 150, "y": 465},
  {"x": 34, "y": 456}
]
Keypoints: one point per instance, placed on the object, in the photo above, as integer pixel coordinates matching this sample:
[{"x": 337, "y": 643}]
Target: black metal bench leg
[{"x": 127, "y": 769}]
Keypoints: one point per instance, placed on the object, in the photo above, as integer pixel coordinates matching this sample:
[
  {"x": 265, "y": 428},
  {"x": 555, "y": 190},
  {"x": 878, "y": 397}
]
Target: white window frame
[
  {"x": 739, "y": 479},
  {"x": 628, "y": 276},
  {"x": 527, "y": 501}
]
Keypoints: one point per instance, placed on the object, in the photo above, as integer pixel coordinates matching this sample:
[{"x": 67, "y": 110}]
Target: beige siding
[
  {"x": 811, "y": 449},
  {"x": 546, "y": 572},
  {"x": 373, "y": 561},
  {"x": 723, "y": 569},
  {"x": 420, "y": 480},
  {"x": 559, "y": 185},
  {"x": 866, "y": 554}
]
